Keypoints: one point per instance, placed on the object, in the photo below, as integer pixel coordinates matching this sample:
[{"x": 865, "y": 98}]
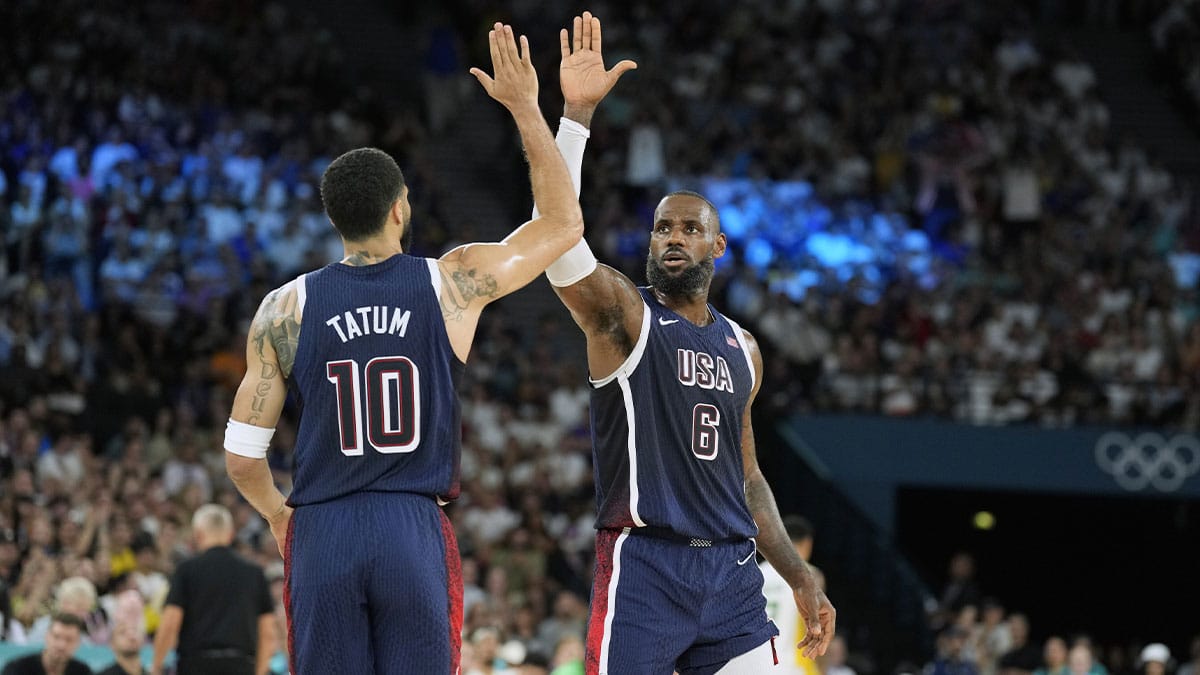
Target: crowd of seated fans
[
  {"x": 144, "y": 214},
  {"x": 1064, "y": 258}
]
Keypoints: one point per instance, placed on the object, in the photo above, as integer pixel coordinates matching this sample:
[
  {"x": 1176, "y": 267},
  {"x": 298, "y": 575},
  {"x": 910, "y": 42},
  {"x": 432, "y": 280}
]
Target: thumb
[
  {"x": 621, "y": 68},
  {"x": 484, "y": 79}
]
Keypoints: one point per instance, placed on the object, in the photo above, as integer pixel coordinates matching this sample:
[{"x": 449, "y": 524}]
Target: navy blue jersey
[
  {"x": 667, "y": 429},
  {"x": 377, "y": 379}
]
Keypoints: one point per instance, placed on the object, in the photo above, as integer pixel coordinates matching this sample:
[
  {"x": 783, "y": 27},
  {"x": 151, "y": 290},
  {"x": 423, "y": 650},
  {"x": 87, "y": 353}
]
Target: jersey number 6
[
  {"x": 705, "y": 436},
  {"x": 391, "y": 405}
]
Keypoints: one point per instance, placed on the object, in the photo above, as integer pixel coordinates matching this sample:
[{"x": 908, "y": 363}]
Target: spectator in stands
[
  {"x": 1023, "y": 657},
  {"x": 128, "y": 638},
  {"x": 951, "y": 659},
  {"x": 568, "y": 656},
  {"x": 960, "y": 590},
  {"x": 75, "y": 596},
  {"x": 62, "y": 639},
  {"x": 1192, "y": 666},
  {"x": 1155, "y": 659},
  {"x": 1054, "y": 657}
]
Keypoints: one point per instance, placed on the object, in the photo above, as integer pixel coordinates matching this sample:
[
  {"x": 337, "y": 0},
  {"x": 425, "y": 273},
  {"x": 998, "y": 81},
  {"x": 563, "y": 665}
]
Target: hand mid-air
[
  {"x": 581, "y": 72},
  {"x": 515, "y": 84}
]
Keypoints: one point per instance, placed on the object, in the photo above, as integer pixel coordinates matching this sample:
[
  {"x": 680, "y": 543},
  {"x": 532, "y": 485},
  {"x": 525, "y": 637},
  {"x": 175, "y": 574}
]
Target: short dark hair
[
  {"x": 697, "y": 195},
  {"x": 358, "y": 189},
  {"x": 69, "y": 620},
  {"x": 798, "y": 527}
]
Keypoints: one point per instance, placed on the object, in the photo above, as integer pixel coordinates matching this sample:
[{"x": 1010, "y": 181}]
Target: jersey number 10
[{"x": 390, "y": 408}]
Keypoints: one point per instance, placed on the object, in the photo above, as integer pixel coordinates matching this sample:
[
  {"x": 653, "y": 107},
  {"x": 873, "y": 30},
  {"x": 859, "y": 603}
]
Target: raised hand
[
  {"x": 515, "y": 84},
  {"x": 581, "y": 73}
]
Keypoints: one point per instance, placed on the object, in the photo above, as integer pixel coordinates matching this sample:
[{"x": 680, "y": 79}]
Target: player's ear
[{"x": 719, "y": 246}]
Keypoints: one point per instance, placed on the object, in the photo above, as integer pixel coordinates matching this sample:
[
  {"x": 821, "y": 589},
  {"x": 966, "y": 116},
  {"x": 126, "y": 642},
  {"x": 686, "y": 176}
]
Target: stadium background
[{"x": 965, "y": 233}]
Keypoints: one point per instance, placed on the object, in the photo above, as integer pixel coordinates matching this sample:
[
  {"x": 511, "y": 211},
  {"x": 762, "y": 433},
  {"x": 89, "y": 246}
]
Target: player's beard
[
  {"x": 406, "y": 239},
  {"x": 691, "y": 280}
]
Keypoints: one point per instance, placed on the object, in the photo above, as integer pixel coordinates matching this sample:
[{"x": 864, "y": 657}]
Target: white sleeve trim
[
  {"x": 635, "y": 357},
  {"x": 435, "y": 277},
  {"x": 741, "y": 338},
  {"x": 301, "y": 292}
]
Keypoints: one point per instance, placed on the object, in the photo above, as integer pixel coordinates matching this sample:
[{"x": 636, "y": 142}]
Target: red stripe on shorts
[
  {"x": 287, "y": 592},
  {"x": 606, "y": 541},
  {"x": 454, "y": 586}
]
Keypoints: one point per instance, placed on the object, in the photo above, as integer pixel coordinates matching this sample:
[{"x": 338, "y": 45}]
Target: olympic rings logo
[{"x": 1148, "y": 459}]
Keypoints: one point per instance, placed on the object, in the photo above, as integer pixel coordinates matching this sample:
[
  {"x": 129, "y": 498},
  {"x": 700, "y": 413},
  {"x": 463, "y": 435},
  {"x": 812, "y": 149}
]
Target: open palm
[{"x": 581, "y": 73}]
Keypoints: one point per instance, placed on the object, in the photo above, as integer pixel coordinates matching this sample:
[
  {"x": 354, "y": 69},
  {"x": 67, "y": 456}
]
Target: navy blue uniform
[
  {"x": 372, "y": 565},
  {"x": 676, "y": 583}
]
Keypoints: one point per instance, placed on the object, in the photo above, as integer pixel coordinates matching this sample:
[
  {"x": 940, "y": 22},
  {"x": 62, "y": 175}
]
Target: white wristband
[
  {"x": 573, "y": 265},
  {"x": 247, "y": 440}
]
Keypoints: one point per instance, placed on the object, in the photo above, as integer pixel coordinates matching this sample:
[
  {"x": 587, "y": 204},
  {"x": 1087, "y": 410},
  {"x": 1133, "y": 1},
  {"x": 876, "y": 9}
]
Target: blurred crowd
[
  {"x": 1175, "y": 33},
  {"x": 1066, "y": 257},
  {"x": 158, "y": 174},
  {"x": 978, "y": 635}
]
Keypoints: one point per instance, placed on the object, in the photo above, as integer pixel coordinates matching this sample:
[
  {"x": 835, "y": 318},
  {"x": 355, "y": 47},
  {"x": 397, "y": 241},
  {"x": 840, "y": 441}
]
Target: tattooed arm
[
  {"x": 606, "y": 305},
  {"x": 270, "y": 354},
  {"x": 477, "y": 274},
  {"x": 773, "y": 541}
]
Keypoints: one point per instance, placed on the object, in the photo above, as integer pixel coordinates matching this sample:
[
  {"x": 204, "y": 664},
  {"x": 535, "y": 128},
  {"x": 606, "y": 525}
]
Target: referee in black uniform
[{"x": 219, "y": 609}]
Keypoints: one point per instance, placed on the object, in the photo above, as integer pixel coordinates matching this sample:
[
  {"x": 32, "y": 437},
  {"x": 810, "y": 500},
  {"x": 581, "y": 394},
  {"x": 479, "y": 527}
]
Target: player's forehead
[{"x": 684, "y": 208}]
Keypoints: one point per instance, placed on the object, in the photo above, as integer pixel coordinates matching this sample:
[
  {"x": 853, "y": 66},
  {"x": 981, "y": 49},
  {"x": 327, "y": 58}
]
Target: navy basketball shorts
[
  {"x": 665, "y": 605},
  {"x": 373, "y": 585}
]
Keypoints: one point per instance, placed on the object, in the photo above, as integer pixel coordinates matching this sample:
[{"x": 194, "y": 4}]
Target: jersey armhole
[
  {"x": 635, "y": 356},
  {"x": 435, "y": 277},
  {"x": 741, "y": 338},
  {"x": 301, "y": 292}
]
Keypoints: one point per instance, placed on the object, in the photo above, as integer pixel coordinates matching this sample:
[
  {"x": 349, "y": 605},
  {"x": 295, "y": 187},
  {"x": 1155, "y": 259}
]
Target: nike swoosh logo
[{"x": 664, "y": 322}]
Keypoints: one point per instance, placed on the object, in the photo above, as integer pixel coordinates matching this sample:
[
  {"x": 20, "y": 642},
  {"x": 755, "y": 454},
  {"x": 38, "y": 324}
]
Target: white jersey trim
[
  {"x": 301, "y": 292},
  {"x": 631, "y": 443},
  {"x": 741, "y": 338},
  {"x": 435, "y": 277},
  {"x": 606, "y": 640},
  {"x": 635, "y": 357}
]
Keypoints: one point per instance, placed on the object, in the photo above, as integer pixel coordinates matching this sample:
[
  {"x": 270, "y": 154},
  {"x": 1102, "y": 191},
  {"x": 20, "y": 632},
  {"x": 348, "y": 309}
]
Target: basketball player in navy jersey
[
  {"x": 681, "y": 499},
  {"x": 374, "y": 346}
]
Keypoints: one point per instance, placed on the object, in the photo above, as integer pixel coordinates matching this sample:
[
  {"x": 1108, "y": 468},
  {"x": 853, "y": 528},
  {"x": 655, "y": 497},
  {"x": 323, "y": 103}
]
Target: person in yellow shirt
[{"x": 781, "y": 608}]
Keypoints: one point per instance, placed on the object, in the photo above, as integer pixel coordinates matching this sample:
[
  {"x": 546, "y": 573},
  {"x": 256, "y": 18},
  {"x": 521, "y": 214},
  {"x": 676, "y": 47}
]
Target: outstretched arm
[
  {"x": 604, "y": 302},
  {"x": 474, "y": 275},
  {"x": 270, "y": 353},
  {"x": 773, "y": 542}
]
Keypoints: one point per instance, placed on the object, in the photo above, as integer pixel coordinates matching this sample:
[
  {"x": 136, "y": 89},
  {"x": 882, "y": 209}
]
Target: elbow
[
  {"x": 574, "y": 227},
  {"x": 241, "y": 469}
]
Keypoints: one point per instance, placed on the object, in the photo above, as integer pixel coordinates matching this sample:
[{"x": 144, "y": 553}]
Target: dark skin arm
[
  {"x": 773, "y": 542},
  {"x": 605, "y": 304}
]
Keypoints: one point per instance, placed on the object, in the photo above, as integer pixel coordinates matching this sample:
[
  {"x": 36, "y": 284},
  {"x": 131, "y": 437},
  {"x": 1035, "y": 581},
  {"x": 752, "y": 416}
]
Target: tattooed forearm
[
  {"x": 772, "y": 540},
  {"x": 261, "y": 392}
]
